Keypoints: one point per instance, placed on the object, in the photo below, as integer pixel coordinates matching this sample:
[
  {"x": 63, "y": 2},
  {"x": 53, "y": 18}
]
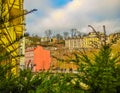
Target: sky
[{"x": 63, "y": 15}]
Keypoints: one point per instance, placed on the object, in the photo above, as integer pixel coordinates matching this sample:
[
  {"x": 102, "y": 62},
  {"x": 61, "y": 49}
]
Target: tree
[
  {"x": 59, "y": 37},
  {"x": 10, "y": 36},
  {"x": 48, "y": 33},
  {"x": 27, "y": 34},
  {"x": 73, "y": 32},
  {"x": 78, "y": 33},
  {"x": 100, "y": 74},
  {"x": 66, "y": 34},
  {"x": 11, "y": 21}
]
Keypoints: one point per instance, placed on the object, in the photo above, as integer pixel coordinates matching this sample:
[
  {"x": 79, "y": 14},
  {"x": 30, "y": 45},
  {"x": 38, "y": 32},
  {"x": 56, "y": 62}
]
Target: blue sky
[
  {"x": 63, "y": 15},
  {"x": 59, "y": 3},
  {"x": 54, "y": 4}
]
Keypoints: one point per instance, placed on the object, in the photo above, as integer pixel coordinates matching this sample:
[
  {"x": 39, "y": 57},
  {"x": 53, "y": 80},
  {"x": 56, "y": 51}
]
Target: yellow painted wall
[{"x": 12, "y": 29}]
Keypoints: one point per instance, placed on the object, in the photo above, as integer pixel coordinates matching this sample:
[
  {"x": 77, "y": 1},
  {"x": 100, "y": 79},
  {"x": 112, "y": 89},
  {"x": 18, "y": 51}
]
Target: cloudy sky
[{"x": 63, "y": 15}]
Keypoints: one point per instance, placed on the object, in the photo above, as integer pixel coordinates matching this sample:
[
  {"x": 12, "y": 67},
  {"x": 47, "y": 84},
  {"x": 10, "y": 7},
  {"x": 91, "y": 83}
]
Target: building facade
[
  {"x": 12, "y": 29},
  {"x": 89, "y": 41},
  {"x": 37, "y": 58}
]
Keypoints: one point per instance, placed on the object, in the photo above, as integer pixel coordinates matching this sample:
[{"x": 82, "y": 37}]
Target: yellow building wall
[
  {"x": 12, "y": 28},
  {"x": 90, "y": 41}
]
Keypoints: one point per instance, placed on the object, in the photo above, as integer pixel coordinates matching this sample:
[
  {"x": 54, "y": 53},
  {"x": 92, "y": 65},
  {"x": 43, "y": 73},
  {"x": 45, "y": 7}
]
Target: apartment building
[
  {"x": 12, "y": 29},
  {"x": 89, "y": 41},
  {"x": 37, "y": 58}
]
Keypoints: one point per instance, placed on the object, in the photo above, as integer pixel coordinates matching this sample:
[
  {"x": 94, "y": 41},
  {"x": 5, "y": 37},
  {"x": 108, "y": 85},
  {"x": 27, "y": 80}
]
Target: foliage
[
  {"x": 98, "y": 75},
  {"x": 59, "y": 83},
  {"x": 25, "y": 82},
  {"x": 101, "y": 74},
  {"x": 48, "y": 33},
  {"x": 9, "y": 81}
]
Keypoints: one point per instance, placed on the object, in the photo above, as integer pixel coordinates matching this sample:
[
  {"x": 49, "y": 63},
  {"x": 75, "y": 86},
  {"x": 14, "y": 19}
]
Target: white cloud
[
  {"x": 77, "y": 14},
  {"x": 43, "y": 8},
  {"x": 111, "y": 25},
  {"x": 41, "y": 4}
]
